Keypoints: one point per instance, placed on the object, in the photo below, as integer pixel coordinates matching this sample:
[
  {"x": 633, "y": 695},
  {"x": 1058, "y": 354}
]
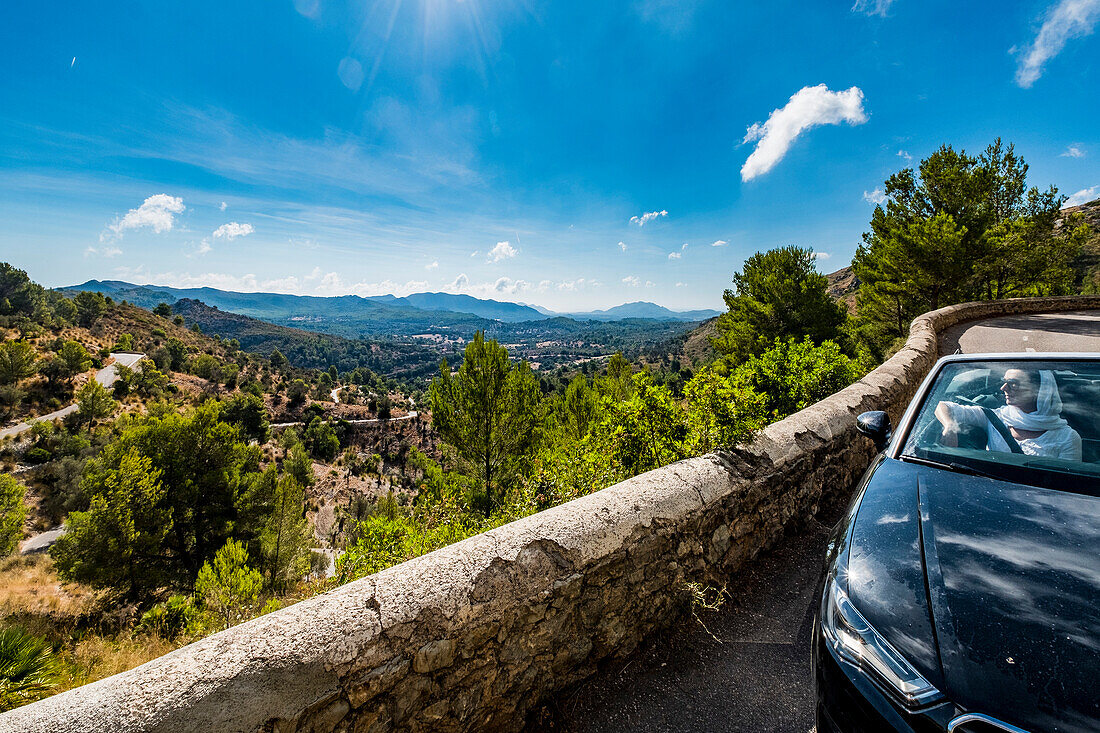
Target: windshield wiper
[{"x": 956, "y": 467}]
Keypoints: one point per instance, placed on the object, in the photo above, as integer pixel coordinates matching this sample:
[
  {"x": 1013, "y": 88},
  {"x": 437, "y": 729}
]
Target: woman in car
[{"x": 1032, "y": 414}]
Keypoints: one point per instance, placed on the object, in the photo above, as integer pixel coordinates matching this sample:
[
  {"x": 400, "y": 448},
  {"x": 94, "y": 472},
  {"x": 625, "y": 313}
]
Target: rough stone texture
[{"x": 473, "y": 635}]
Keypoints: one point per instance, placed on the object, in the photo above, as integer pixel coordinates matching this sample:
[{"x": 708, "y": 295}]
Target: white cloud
[
  {"x": 675, "y": 255},
  {"x": 905, "y": 156},
  {"x": 508, "y": 286},
  {"x": 1068, "y": 19},
  {"x": 503, "y": 251},
  {"x": 432, "y": 265},
  {"x": 808, "y": 107},
  {"x": 387, "y": 287},
  {"x": 647, "y": 217},
  {"x": 107, "y": 251},
  {"x": 1073, "y": 151},
  {"x": 317, "y": 283},
  {"x": 681, "y": 285},
  {"x": 204, "y": 246},
  {"x": 232, "y": 230},
  {"x": 683, "y": 246},
  {"x": 874, "y": 197},
  {"x": 632, "y": 281},
  {"x": 578, "y": 284},
  {"x": 223, "y": 206},
  {"x": 1083, "y": 196},
  {"x": 157, "y": 213},
  {"x": 331, "y": 283},
  {"x": 650, "y": 284},
  {"x": 822, "y": 255},
  {"x": 475, "y": 253},
  {"x": 719, "y": 243},
  {"x": 622, "y": 246},
  {"x": 872, "y": 7},
  {"x": 496, "y": 288},
  {"x": 350, "y": 72},
  {"x": 308, "y": 8}
]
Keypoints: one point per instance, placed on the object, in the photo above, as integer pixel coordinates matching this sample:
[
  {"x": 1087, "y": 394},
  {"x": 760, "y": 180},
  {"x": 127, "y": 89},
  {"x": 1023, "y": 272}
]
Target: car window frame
[{"x": 909, "y": 417}]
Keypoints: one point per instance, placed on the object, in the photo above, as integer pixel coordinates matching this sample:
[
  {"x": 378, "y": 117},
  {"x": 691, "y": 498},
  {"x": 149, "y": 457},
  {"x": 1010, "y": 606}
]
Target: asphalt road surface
[
  {"x": 747, "y": 669},
  {"x": 105, "y": 376},
  {"x": 751, "y": 671},
  {"x": 1069, "y": 331}
]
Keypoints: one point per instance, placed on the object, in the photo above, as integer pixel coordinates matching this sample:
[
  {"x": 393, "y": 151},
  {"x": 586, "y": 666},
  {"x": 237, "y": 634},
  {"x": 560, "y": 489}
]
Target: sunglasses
[{"x": 1013, "y": 384}]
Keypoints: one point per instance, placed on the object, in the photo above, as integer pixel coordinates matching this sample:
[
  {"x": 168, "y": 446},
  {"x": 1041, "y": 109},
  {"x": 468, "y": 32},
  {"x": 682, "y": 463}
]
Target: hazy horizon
[{"x": 529, "y": 304}]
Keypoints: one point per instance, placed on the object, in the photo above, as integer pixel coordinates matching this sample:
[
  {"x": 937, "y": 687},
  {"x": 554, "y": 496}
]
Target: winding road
[
  {"x": 106, "y": 376},
  {"x": 362, "y": 421},
  {"x": 1039, "y": 332}
]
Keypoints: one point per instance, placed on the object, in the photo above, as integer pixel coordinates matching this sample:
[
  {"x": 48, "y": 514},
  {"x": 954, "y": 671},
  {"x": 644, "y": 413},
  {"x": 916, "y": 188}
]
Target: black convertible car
[{"x": 962, "y": 588}]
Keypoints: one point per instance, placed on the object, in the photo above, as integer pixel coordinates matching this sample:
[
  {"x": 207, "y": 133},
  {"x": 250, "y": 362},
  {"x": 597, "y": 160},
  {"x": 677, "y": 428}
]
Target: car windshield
[{"x": 1032, "y": 422}]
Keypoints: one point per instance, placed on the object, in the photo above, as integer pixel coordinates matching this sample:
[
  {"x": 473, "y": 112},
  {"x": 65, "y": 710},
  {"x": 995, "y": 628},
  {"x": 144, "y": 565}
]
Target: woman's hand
[{"x": 950, "y": 431}]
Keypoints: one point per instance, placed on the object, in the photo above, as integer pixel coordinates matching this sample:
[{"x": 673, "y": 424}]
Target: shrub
[
  {"x": 204, "y": 366},
  {"x": 12, "y": 513},
  {"x": 321, "y": 439},
  {"x": 794, "y": 374},
  {"x": 28, "y": 669},
  {"x": 37, "y": 456},
  {"x": 228, "y": 586},
  {"x": 174, "y": 617}
]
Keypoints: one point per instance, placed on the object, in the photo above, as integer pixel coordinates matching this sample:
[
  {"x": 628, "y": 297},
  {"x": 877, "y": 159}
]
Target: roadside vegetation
[{"x": 209, "y": 485}]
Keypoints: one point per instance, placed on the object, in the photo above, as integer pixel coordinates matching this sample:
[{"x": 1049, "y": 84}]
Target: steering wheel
[{"x": 997, "y": 423}]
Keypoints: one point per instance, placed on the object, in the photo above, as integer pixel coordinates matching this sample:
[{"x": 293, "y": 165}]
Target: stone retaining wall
[{"x": 472, "y": 636}]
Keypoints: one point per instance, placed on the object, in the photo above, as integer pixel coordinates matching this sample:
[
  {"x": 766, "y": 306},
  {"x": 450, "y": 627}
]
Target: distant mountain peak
[{"x": 379, "y": 314}]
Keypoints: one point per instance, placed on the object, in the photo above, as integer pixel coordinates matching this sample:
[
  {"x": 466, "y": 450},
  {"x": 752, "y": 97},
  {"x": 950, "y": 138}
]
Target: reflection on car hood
[
  {"x": 1014, "y": 580},
  {"x": 885, "y": 573}
]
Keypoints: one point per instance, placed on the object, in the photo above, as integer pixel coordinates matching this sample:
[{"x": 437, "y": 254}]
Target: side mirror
[{"x": 876, "y": 426}]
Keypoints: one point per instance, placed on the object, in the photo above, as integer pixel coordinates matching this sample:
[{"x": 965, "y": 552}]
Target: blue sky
[{"x": 573, "y": 155}]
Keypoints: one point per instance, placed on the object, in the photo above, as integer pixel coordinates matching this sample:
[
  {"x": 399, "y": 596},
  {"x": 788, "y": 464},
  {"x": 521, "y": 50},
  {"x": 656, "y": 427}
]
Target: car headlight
[{"x": 855, "y": 641}]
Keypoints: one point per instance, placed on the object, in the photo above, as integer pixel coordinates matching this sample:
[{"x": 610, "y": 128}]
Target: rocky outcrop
[{"x": 473, "y": 635}]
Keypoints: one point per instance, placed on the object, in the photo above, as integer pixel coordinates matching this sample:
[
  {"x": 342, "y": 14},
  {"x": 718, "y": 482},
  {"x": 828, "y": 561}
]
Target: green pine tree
[
  {"x": 119, "y": 542},
  {"x": 227, "y": 585},
  {"x": 94, "y": 402},
  {"x": 488, "y": 410},
  {"x": 778, "y": 294},
  {"x": 286, "y": 537},
  {"x": 13, "y": 512}
]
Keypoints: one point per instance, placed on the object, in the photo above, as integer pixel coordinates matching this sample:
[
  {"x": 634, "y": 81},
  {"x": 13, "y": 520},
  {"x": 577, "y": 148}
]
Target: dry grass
[
  {"x": 29, "y": 586},
  {"x": 95, "y": 657},
  {"x": 32, "y": 596}
]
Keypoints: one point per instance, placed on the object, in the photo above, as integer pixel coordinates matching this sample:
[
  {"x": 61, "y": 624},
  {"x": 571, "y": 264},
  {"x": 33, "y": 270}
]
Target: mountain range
[{"x": 356, "y": 316}]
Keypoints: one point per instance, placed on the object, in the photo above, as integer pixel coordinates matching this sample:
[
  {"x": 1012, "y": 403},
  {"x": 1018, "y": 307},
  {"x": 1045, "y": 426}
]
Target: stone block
[{"x": 434, "y": 655}]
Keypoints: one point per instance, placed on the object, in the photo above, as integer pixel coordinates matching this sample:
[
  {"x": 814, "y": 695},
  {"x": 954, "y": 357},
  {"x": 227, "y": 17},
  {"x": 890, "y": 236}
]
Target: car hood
[{"x": 1013, "y": 577}]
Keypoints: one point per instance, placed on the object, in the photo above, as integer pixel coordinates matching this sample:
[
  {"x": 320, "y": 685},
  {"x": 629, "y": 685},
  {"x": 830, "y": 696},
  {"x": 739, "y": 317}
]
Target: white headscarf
[{"x": 1048, "y": 408}]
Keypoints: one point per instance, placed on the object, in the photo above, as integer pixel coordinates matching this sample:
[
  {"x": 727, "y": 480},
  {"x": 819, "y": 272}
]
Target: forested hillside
[
  {"x": 401, "y": 360},
  {"x": 551, "y": 345},
  {"x": 441, "y": 314}
]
